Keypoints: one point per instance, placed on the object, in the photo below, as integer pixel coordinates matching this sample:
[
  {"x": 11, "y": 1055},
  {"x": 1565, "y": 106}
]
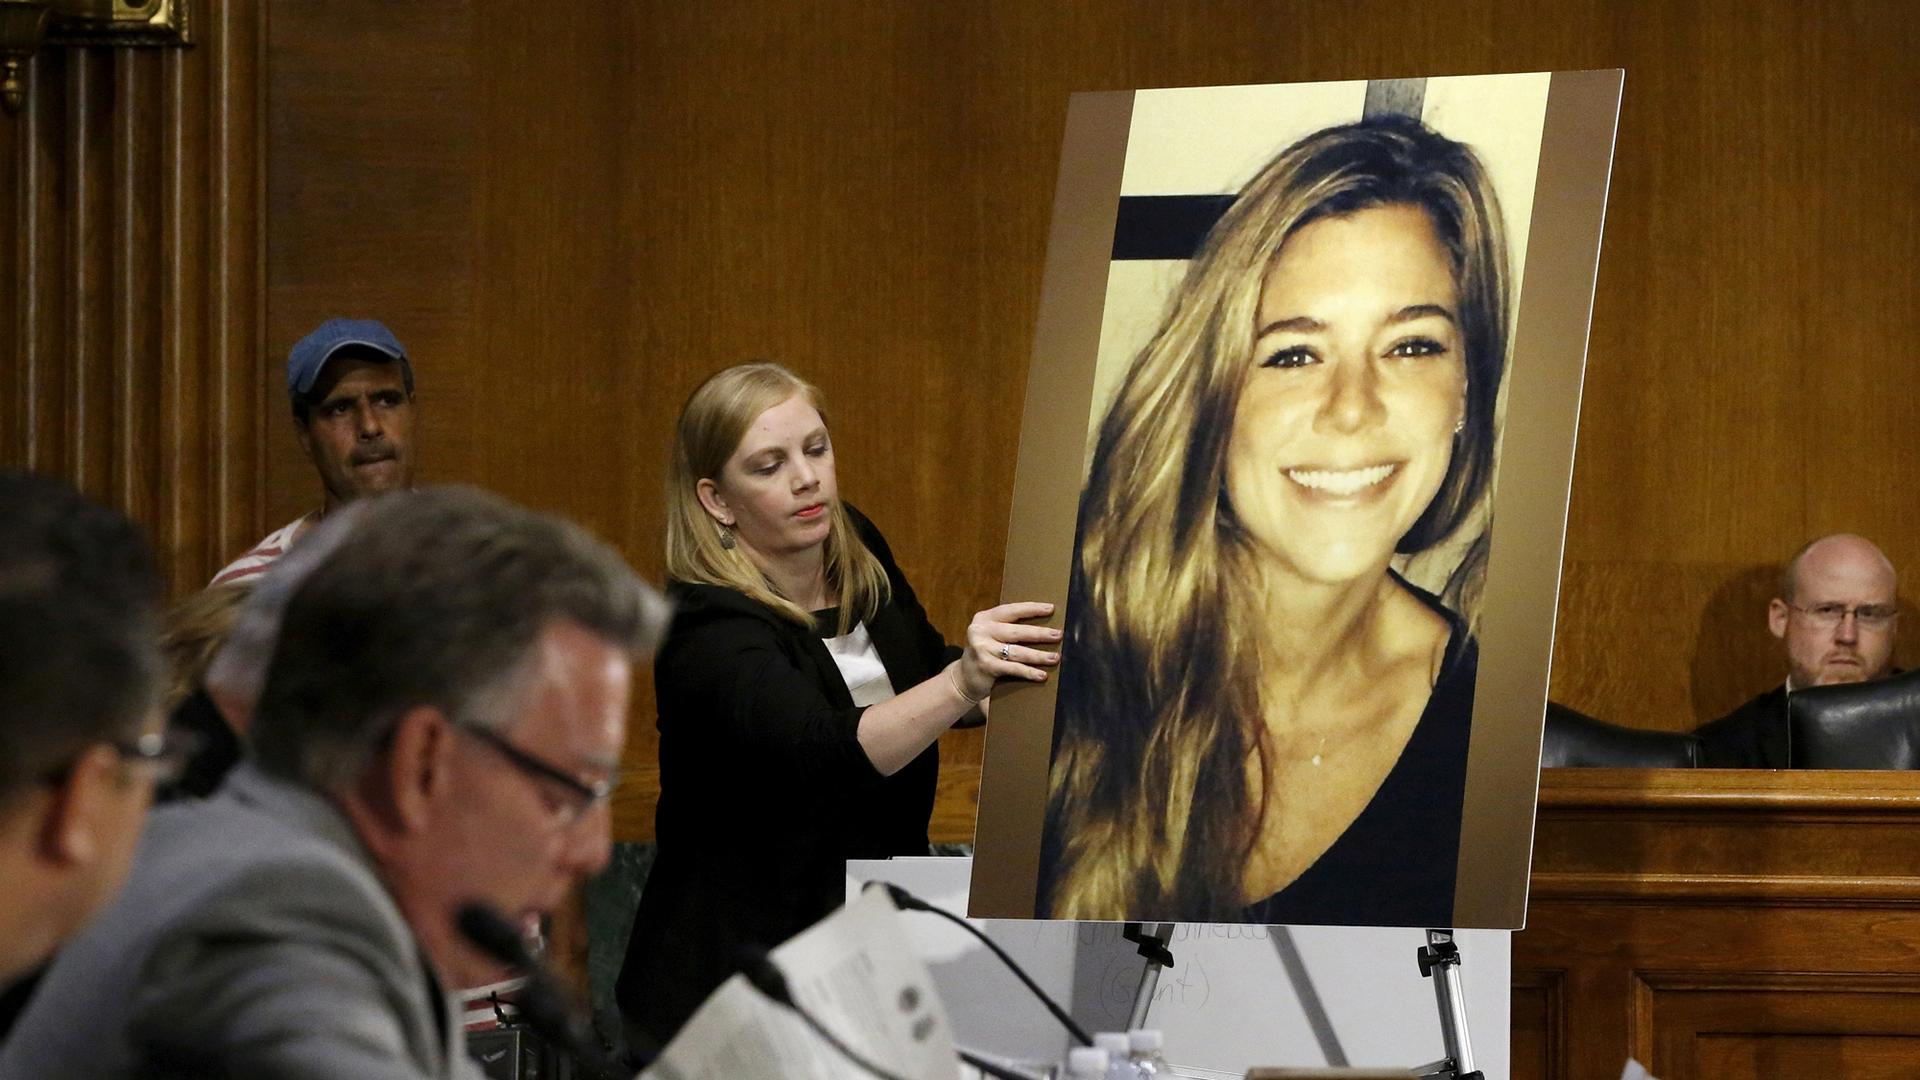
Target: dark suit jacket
[
  {"x": 765, "y": 791},
  {"x": 1753, "y": 736}
]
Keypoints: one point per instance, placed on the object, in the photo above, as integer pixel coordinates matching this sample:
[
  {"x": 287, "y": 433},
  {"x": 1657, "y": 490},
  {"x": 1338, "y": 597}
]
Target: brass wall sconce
[{"x": 25, "y": 24}]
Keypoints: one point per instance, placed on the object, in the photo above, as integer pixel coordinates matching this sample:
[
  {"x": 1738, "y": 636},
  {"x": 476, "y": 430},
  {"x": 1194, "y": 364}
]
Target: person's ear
[
  {"x": 78, "y": 808},
  {"x": 714, "y": 502},
  {"x": 419, "y": 766},
  {"x": 301, "y": 432},
  {"x": 1777, "y": 612}
]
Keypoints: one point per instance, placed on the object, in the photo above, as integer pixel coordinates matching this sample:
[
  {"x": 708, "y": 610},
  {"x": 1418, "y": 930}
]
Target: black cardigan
[{"x": 765, "y": 791}]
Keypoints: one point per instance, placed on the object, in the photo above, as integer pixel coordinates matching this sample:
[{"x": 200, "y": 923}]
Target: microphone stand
[
  {"x": 765, "y": 976},
  {"x": 906, "y": 901}
]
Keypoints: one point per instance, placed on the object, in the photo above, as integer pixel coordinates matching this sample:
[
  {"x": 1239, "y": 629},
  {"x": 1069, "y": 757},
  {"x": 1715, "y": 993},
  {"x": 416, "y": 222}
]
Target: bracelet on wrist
[{"x": 953, "y": 680}]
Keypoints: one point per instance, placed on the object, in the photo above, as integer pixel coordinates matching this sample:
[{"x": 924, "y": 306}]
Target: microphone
[
  {"x": 767, "y": 978},
  {"x": 906, "y": 901},
  {"x": 494, "y": 934},
  {"x": 541, "y": 1001}
]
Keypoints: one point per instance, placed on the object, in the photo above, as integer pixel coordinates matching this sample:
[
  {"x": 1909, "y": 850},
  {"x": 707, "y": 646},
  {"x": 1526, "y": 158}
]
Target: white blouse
[{"x": 859, "y": 664}]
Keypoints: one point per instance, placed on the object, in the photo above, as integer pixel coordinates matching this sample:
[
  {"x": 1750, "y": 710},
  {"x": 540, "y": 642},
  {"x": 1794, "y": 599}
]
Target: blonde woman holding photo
[{"x": 800, "y": 691}]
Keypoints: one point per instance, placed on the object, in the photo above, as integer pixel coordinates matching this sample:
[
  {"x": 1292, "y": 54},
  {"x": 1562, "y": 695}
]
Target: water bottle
[
  {"x": 1086, "y": 1063},
  {"x": 1143, "y": 1047},
  {"x": 1119, "y": 1061}
]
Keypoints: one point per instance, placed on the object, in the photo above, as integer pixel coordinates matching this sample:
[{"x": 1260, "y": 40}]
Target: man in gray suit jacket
[{"x": 440, "y": 725}]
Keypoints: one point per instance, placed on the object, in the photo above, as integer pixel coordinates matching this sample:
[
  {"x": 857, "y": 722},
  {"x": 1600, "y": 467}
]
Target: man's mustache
[{"x": 371, "y": 452}]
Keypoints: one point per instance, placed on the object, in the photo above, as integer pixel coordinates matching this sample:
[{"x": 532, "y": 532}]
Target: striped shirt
[
  {"x": 478, "y": 1004},
  {"x": 256, "y": 561}
]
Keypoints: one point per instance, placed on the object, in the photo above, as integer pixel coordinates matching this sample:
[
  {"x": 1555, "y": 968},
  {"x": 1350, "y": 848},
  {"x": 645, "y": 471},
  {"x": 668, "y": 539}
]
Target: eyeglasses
[
  {"x": 579, "y": 796},
  {"x": 1866, "y": 616},
  {"x": 167, "y": 752}
]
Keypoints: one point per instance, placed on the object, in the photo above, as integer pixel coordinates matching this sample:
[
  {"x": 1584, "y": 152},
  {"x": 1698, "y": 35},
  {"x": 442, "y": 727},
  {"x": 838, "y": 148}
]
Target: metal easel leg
[
  {"x": 1440, "y": 960},
  {"x": 1152, "y": 941}
]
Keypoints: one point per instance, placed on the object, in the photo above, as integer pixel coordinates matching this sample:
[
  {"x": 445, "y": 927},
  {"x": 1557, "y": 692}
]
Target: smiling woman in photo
[{"x": 1260, "y": 719}]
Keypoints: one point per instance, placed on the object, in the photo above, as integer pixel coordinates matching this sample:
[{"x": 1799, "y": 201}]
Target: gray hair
[
  {"x": 437, "y": 598},
  {"x": 238, "y": 671}
]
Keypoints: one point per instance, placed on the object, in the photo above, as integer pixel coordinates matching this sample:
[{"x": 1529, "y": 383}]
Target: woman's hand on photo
[{"x": 1002, "y": 645}]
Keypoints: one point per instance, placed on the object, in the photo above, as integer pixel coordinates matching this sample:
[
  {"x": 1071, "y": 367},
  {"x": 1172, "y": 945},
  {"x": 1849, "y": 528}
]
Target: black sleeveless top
[{"x": 1396, "y": 864}]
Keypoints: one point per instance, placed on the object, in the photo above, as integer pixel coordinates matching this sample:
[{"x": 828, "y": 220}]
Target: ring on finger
[{"x": 1006, "y": 651}]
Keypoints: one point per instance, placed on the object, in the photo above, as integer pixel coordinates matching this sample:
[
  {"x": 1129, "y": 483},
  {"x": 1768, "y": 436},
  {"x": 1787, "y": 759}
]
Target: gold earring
[{"x": 726, "y": 537}]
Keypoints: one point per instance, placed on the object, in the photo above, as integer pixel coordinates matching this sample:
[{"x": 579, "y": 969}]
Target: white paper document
[{"x": 855, "y": 972}]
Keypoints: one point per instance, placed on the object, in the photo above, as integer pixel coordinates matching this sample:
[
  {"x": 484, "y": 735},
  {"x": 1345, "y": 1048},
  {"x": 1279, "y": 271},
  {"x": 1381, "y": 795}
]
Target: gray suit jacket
[{"x": 253, "y": 940}]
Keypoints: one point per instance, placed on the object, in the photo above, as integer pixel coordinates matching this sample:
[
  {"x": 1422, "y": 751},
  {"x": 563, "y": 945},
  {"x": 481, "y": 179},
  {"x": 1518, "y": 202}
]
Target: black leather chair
[
  {"x": 1576, "y": 740},
  {"x": 1871, "y": 725}
]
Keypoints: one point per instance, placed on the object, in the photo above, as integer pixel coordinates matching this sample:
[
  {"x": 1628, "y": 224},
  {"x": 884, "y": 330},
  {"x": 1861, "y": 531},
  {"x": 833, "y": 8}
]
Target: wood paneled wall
[
  {"x": 1747, "y": 388},
  {"x": 130, "y": 283},
  {"x": 573, "y": 212}
]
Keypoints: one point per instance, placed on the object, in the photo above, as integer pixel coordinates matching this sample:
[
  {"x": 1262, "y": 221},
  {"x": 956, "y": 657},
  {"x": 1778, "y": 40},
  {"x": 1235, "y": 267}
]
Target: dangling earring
[
  {"x": 1460, "y": 425},
  {"x": 726, "y": 537}
]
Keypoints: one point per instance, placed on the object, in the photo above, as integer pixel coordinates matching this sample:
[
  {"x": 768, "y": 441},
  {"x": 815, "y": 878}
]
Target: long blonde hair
[
  {"x": 193, "y": 631},
  {"x": 1150, "y": 812},
  {"x": 712, "y": 423}
]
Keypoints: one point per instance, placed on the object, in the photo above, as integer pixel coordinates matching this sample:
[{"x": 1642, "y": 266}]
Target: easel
[
  {"x": 1439, "y": 960},
  {"x": 1152, "y": 942}
]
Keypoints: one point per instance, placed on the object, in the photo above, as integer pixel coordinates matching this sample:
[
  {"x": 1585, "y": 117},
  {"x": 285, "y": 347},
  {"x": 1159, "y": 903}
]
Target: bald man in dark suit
[{"x": 1835, "y": 617}]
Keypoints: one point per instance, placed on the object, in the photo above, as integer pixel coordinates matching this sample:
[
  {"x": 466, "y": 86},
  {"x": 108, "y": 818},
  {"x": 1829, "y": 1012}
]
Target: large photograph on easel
[{"x": 1289, "y": 414}]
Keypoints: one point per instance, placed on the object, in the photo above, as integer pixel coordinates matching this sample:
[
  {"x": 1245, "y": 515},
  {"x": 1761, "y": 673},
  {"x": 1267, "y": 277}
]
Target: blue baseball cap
[{"x": 311, "y": 353}]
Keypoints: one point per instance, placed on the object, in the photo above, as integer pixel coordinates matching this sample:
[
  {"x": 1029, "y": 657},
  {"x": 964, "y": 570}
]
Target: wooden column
[{"x": 130, "y": 269}]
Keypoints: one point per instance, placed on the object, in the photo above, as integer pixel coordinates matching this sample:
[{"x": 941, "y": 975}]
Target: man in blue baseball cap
[{"x": 351, "y": 385}]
